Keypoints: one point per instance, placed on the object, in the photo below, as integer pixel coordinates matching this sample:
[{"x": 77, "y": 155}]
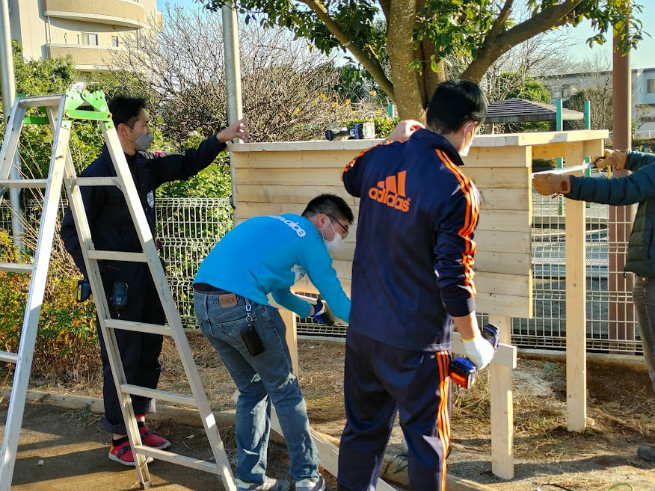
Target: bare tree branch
[{"x": 494, "y": 47}]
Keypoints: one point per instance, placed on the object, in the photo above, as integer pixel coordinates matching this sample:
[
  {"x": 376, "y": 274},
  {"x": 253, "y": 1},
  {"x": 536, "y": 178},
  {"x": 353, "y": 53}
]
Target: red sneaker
[
  {"x": 149, "y": 438},
  {"x": 122, "y": 453}
]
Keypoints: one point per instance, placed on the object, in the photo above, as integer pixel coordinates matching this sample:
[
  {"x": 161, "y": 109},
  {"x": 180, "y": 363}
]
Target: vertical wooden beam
[
  {"x": 502, "y": 409},
  {"x": 576, "y": 366},
  {"x": 289, "y": 319}
]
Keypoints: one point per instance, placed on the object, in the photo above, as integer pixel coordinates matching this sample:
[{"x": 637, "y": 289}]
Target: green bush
[{"x": 66, "y": 345}]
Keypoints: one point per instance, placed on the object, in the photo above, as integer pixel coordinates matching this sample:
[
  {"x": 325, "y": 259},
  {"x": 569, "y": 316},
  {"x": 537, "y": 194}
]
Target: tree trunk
[{"x": 407, "y": 83}]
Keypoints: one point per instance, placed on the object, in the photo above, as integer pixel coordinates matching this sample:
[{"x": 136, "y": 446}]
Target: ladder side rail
[
  {"x": 10, "y": 141},
  {"x": 83, "y": 229},
  {"x": 169, "y": 306},
  {"x": 34, "y": 301}
]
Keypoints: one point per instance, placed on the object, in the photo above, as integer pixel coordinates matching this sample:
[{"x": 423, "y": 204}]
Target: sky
[{"x": 642, "y": 57}]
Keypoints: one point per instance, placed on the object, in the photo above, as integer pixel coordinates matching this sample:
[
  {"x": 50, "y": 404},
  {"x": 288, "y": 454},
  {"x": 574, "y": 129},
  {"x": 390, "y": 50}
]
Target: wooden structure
[{"x": 273, "y": 178}]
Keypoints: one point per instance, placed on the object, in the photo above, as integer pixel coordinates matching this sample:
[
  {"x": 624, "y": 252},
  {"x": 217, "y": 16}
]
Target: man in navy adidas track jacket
[{"x": 412, "y": 279}]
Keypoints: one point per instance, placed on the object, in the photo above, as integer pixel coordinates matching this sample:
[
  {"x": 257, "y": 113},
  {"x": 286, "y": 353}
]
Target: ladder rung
[
  {"x": 135, "y": 257},
  {"x": 96, "y": 181},
  {"x": 16, "y": 267},
  {"x": 198, "y": 464},
  {"x": 139, "y": 327},
  {"x": 8, "y": 357},
  {"x": 135, "y": 390},
  {"x": 24, "y": 183},
  {"x": 49, "y": 100}
]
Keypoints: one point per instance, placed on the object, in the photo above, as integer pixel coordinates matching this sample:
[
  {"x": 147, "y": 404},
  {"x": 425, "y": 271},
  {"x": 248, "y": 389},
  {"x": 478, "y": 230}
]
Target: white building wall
[{"x": 643, "y": 93}]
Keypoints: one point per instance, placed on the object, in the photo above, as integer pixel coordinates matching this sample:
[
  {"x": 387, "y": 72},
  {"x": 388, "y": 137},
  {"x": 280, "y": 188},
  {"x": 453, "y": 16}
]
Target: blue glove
[{"x": 320, "y": 313}]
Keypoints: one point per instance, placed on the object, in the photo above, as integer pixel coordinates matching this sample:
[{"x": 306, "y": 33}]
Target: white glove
[{"x": 478, "y": 350}]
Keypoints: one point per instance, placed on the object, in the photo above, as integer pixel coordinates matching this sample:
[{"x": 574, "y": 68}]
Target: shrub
[{"x": 66, "y": 346}]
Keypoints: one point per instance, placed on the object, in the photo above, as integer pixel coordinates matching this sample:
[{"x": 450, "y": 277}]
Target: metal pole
[
  {"x": 621, "y": 326},
  {"x": 232, "y": 74},
  {"x": 8, "y": 98},
  {"x": 559, "y": 126}
]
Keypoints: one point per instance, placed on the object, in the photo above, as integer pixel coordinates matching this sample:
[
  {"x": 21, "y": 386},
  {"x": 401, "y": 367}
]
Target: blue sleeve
[
  {"x": 318, "y": 264},
  {"x": 290, "y": 302},
  {"x": 177, "y": 166},
  {"x": 354, "y": 172},
  {"x": 454, "y": 251},
  {"x": 638, "y": 160},
  {"x": 634, "y": 188}
]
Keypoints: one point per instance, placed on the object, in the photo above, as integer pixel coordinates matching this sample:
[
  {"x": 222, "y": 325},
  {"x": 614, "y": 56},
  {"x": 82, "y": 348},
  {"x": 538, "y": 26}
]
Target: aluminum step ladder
[{"x": 61, "y": 111}]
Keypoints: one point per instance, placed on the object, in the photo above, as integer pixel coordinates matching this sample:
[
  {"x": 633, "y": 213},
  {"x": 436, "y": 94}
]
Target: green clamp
[{"x": 96, "y": 100}]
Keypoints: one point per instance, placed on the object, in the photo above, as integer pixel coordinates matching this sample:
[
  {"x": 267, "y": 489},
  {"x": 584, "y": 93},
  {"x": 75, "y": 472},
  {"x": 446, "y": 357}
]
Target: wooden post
[
  {"x": 289, "y": 319},
  {"x": 576, "y": 367},
  {"x": 502, "y": 409}
]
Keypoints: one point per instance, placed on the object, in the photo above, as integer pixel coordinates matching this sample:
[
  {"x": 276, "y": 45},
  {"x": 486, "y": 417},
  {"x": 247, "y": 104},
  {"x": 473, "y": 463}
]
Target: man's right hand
[
  {"x": 478, "y": 350},
  {"x": 236, "y": 130},
  {"x": 613, "y": 158},
  {"x": 404, "y": 130}
]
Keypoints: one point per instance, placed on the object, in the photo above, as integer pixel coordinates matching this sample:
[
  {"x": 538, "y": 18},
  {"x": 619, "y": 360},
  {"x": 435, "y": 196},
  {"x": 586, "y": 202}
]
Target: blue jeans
[
  {"x": 262, "y": 379},
  {"x": 643, "y": 296}
]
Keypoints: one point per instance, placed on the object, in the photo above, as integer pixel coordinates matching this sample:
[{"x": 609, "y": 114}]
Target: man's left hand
[
  {"x": 546, "y": 183},
  {"x": 236, "y": 130}
]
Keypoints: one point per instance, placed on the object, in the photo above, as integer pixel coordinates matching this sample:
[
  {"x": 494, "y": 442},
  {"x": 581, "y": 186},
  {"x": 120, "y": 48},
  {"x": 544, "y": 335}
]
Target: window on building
[
  {"x": 89, "y": 39},
  {"x": 114, "y": 41},
  {"x": 650, "y": 85}
]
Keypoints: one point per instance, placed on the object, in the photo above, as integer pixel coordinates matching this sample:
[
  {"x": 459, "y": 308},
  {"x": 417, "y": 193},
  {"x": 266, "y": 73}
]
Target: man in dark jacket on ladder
[
  {"x": 638, "y": 187},
  {"x": 112, "y": 229}
]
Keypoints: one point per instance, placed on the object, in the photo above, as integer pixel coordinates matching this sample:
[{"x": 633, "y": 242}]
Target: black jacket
[{"x": 112, "y": 228}]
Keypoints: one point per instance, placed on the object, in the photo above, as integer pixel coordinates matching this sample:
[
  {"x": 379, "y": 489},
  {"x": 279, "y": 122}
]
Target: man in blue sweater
[
  {"x": 638, "y": 187},
  {"x": 267, "y": 255},
  {"x": 412, "y": 280}
]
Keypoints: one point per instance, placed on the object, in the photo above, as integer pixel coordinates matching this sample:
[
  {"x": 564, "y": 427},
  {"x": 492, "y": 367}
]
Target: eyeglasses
[{"x": 345, "y": 228}]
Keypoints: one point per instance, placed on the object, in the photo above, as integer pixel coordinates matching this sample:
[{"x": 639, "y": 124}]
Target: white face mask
[
  {"x": 335, "y": 244},
  {"x": 465, "y": 151}
]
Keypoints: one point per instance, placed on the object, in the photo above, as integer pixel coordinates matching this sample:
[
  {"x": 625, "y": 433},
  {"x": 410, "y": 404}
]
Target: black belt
[{"x": 208, "y": 289}]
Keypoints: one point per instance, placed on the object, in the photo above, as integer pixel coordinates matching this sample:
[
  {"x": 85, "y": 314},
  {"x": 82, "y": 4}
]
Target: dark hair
[
  {"x": 329, "y": 204},
  {"x": 125, "y": 109},
  {"x": 453, "y": 104}
]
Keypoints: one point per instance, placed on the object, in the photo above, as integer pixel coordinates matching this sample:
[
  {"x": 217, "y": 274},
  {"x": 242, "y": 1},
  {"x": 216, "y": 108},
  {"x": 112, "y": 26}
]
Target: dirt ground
[{"x": 621, "y": 412}]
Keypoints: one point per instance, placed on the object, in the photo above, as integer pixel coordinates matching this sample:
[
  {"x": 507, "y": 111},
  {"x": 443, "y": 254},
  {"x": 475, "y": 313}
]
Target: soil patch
[{"x": 621, "y": 411}]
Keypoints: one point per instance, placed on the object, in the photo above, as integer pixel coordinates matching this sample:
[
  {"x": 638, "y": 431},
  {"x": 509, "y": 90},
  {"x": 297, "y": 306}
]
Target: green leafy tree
[{"x": 419, "y": 35}]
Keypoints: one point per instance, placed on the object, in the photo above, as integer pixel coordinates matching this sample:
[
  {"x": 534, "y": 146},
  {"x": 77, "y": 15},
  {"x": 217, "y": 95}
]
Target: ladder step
[
  {"x": 24, "y": 183},
  {"x": 8, "y": 357},
  {"x": 139, "y": 327},
  {"x": 174, "y": 458},
  {"x": 16, "y": 268},
  {"x": 96, "y": 181},
  {"x": 135, "y": 257},
  {"x": 49, "y": 100},
  {"x": 135, "y": 390}
]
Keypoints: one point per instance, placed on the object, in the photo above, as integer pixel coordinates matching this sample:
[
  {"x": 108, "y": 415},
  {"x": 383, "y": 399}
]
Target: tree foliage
[{"x": 420, "y": 35}]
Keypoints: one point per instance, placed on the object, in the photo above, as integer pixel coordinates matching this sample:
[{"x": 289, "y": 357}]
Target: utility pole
[{"x": 8, "y": 97}]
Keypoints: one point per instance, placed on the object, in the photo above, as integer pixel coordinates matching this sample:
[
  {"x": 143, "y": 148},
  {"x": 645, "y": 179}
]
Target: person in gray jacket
[{"x": 637, "y": 187}]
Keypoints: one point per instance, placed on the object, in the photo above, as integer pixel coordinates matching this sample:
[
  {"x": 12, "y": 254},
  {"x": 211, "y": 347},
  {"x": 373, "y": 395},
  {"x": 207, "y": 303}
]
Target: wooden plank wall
[{"x": 283, "y": 177}]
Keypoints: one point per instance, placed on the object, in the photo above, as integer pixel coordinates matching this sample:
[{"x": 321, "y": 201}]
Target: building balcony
[
  {"x": 124, "y": 13},
  {"x": 85, "y": 58}
]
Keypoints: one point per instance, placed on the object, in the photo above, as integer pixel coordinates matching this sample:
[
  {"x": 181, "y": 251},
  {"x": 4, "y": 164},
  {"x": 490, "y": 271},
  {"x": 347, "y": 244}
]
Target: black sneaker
[{"x": 646, "y": 453}]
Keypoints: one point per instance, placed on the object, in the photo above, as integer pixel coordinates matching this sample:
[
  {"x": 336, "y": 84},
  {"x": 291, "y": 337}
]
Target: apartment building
[
  {"x": 643, "y": 93},
  {"x": 87, "y": 30}
]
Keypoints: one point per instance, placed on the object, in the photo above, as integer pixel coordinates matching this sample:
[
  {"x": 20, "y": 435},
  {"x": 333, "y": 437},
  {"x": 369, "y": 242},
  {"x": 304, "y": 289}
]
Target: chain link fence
[{"x": 189, "y": 227}]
